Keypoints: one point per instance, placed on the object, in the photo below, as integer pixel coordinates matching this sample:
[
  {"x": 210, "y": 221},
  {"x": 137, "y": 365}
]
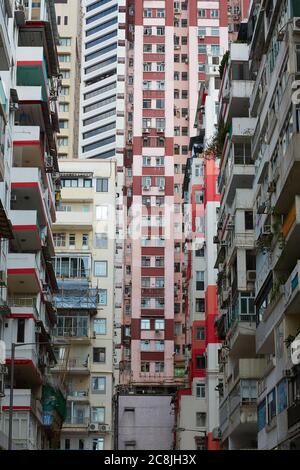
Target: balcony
[
  {"x": 28, "y": 234},
  {"x": 23, "y": 273},
  {"x": 238, "y": 413},
  {"x": 290, "y": 250},
  {"x": 5, "y": 46},
  {"x": 78, "y": 396},
  {"x": 31, "y": 69},
  {"x": 28, "y": 147},
  {"x": 27, "y": 364},
  {"x": 239, "y": 173},
  {"x": 292, "y": 292},
  {"x": 241, "y": 325},
  {"x": 78, "y": 220},
  {"x": 78, "y": 335},
  {"x": 238, "y": 99},
  {"x": 23, "y": 398},
  {"x": 293, "y": 414},
  {"x": 79, "y": 365},
  {"x": 287, "y": 185},
  {"x": 28, "y": 193},
  {"x": 24, "y": 304}
]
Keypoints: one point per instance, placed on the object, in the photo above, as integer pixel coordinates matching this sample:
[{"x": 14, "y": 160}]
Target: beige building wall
[
  {"x": 69, "y": 19},
  {"x": 88, "y": 208}
]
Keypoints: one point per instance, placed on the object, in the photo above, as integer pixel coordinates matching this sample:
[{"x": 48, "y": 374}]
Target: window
[
  {"x": 98, "y": 444},
  {"x": 72, "y": 240},
  {"x": 100, "y": 268},
  {"x": 145, "y": 345},
  {"x": 85, "y": 240},
  {"x": 98, "y": 384},
  {"x": 21, "y": 330},
  {"x": 215, "y": 32},
  {"x": 200, "y": 390},
  {"x": 59, "y": 239},
  {"x": 145, "y": 324},
  {"x": 145, "y": 366},
  {"x": 159, "y": 324},
  {"x": 261, "y": 415},
  {"x": 159, "y": 345},
  {"x": 199, "y": 280},
  {"x": 214, "y": 13},
  {"x": 200, "y": 362},
  {"x": 102, "y": 297},
  {"x": 160, "y": 31},
  {"x": 248, "y": 220},
  {"x": 63, "y": 107},
  {"x": 145, "y": 281},
  {"x": 200, "y": 305},
  {"x": 99, "y": 355},
  {"x": 100, "y": 326},
  {"x": 98, "y": 414},
  {"x": 159, "y": 282},
  {"x": 64, "y": 57},
  {"x": 102, "y": 185},
  {"x": 159, "y": 367},
  {"x": 200, "y": 333},
  {"x": 65, "y": 41},
  {"x": 200, "y": 420},
  {"x": 199, "y": 197},
  {"x": 101, "y": 241},
  {"x": 271, "y": 405},
  {"x": 102, "y": 212}
]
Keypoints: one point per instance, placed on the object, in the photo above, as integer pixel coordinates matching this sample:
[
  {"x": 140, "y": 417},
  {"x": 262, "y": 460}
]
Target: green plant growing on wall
[
  {"x": 216, "y": 144},
  {"x": 223, "y": 64}
]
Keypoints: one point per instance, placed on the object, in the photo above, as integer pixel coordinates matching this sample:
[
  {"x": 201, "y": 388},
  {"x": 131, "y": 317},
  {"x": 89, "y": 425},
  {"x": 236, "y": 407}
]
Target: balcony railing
[
  {"x": 293, "y": 414},
  {"x": 77, "y": 332}
]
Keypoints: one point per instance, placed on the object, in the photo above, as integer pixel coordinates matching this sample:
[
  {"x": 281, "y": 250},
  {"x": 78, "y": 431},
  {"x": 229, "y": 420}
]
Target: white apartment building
[
  {"x": 84, "y": 236},
  {"x": 69, "y": 19}
]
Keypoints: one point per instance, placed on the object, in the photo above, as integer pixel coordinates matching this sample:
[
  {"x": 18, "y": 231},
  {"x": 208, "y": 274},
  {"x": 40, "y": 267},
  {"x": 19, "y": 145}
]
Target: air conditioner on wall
[
  {"x": 94, "y": 427},
  {"x": 296, "y": 24}
]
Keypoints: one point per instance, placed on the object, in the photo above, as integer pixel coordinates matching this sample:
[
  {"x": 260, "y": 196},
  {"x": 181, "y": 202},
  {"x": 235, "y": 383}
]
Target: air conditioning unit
[
  {"x": 160, "y": 130},
  {"x": 161, "y": 188},
  {"x": 103, "y": 427},
  {"x": 177, "y": 11},
  {"x": 223, "y": 242},
  {"x": 146, "y": 187},
  {"x": 38, "y": 330},
  {"x": 296, "y": 24},
  {"x": 251, "y": 276},
  {"x": 202, "y": 37},
  {"x": 186, "y": 61},
  {"x": 177, "y": 46},
  {"x": 146, "y": 130},
  {"x": 94, "y": 427}
]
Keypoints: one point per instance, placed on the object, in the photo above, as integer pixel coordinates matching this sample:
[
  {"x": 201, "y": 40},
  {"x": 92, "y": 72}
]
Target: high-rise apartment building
[
  {"x": 240, "y": 369},
  {"x": 197, "y": 418},
  {"x": 168, "y": 44},
  {"x": 69, "y": 24},
  {"x": 29, "y": 188},
  {"x": 258, "y": 250},
  {"x": 84, "y": 266}
]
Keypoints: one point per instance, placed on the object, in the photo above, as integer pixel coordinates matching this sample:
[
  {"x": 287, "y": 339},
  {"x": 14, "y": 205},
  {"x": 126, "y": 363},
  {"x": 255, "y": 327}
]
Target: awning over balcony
[{"x": 5, "y": 224}]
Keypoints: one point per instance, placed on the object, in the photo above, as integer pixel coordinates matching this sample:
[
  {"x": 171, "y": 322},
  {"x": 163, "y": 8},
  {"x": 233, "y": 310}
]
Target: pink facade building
[{"x": 168, "y": 46}]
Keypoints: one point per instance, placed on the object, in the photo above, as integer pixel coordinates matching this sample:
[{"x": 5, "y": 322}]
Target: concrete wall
[{"x": 150, "y": 425}]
